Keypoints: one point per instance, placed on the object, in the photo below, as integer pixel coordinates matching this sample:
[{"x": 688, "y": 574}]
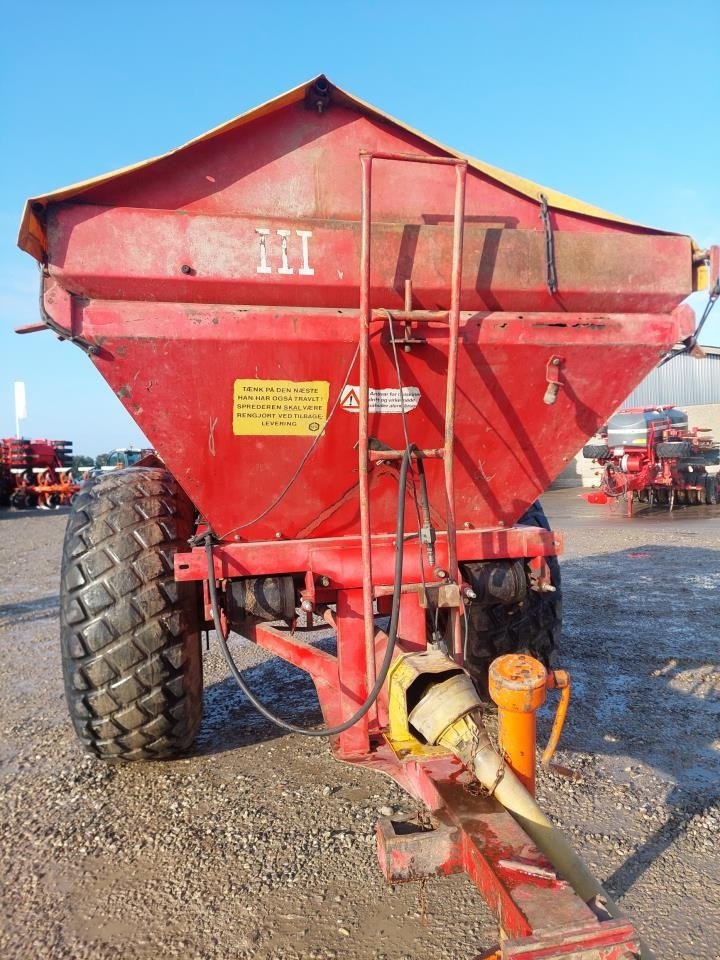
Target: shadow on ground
[
  {"x": 34, "y": 514},
  {"x": 229, "y": 721},
  {"x": 29, "y": 610},
  {"x": 640, "y": 641}
]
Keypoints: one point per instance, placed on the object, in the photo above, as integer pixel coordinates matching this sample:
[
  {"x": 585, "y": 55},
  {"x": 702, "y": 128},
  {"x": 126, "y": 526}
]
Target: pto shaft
[{"x": 448, "y": 716}]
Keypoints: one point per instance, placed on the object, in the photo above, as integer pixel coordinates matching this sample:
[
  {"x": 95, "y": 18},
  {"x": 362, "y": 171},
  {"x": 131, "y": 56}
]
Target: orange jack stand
[{"x": 518, "y": 684}]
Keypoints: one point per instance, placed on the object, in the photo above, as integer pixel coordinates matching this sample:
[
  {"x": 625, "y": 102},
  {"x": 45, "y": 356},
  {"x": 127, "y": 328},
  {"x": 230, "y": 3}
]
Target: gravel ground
[{"x": 259, "y": 845}]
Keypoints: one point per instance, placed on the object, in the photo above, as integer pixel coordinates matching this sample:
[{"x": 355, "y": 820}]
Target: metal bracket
[
  {"x": 714, "y": 266},
  {"x": 552, "y": 375},
  {"x": 407, "y": 342},
  {"x": 90, "y": 348},
  {"x": 614, "y": 940},
  {"x": 542, "y": 916}
]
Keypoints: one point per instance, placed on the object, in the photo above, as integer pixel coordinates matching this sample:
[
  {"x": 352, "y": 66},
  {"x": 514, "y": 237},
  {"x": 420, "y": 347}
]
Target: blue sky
[{"x": 613, "y": 102}]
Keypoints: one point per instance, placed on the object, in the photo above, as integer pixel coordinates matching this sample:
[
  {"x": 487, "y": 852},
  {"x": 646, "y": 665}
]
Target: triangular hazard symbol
[{"x": 351, "y": 400}]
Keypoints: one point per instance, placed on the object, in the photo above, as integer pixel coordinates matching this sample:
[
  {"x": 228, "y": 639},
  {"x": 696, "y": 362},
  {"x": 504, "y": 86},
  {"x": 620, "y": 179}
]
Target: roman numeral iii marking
[{"x": 284, "y": 250}]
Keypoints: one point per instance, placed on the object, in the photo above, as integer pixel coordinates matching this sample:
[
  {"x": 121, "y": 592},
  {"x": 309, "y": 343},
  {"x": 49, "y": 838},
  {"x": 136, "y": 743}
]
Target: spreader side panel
[{"x": 236, "y": 399}]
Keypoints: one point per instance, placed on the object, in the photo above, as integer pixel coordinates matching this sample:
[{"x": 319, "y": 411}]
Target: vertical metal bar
[
  {"x": 363, "y": 462},
  {"x": 352, "y": 661},
  {"x": 449, "y": 438},
  {"x": 408, "y": 295},
  {"x": 449, "y": 459}
]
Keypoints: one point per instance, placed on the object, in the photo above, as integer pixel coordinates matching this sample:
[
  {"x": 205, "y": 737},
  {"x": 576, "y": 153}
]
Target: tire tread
[
  {"x": 532, "y": 626},
  {"x": 129, "y": 632}
]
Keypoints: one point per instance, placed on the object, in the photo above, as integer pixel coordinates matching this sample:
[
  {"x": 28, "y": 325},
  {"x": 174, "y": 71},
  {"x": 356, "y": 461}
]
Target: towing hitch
[{"x": 486, "y": 822}]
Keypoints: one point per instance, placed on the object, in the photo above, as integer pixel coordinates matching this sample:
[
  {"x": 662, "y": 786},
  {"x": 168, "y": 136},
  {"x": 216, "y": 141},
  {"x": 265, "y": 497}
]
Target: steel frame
[
  {"x": 334, "y": 569},
  {"x": 453, "y": 317}
]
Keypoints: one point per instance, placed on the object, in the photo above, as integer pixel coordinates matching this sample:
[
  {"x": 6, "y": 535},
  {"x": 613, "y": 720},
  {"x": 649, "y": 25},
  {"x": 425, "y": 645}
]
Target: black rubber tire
[
  {"x": 674, "y": 448},
  {"x": 596, "y": 451},
  {"x": 129, "y": 632},
  {"x": 711, "y": 490},
  {"x": 532, "y": 626},
  {"x": 7, "y": 485},
  {"x": 22, "y": 499}
]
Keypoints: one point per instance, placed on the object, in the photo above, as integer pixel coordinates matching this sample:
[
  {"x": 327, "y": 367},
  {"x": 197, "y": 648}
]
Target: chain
[{"x": 550, "y": 270}]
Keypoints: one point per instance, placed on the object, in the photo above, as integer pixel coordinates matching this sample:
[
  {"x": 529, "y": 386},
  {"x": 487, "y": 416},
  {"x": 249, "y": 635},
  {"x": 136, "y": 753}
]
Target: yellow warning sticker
[{"x": 279, "y": 408}]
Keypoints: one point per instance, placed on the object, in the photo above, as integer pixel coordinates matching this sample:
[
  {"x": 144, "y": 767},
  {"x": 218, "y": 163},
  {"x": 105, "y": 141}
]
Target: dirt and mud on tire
[
  {"x": 532, "y": 626},
  {"x": 129, "y": 632}
]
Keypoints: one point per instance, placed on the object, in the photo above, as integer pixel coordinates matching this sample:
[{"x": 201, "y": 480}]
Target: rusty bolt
[
  {"x": 324, "y": 581},
  {"x": 467, "y": 525}
]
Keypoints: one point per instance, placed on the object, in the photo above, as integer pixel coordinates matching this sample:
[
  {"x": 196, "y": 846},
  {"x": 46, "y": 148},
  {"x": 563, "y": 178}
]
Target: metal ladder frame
[{"x": 446, "y": 452}]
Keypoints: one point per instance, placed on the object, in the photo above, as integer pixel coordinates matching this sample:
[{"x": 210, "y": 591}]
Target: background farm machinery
[
  {"x": 319, "y": 321},
  {"x": 36, "y": 473},
  {"x": 649, "y": 454},
  {"x": 118, "y": 459},
  {"x": 39, "y": 473}
]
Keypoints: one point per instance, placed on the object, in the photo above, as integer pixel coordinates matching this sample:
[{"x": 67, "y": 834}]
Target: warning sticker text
[
  {"x": 279, "y": 408},
  {"x": 388, "y": 400}
]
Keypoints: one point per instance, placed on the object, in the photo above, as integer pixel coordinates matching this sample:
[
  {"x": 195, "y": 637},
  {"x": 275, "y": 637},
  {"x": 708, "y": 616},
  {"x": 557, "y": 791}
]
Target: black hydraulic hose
[
  {"x": 692, "y": 341},
  {"x": 424, "y": 502},
  {"x": 392, "y": 630}
]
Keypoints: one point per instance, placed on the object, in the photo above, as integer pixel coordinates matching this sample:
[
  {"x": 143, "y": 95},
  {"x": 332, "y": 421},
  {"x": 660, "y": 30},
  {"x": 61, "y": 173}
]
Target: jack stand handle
[{"x": 557, "y": 680}]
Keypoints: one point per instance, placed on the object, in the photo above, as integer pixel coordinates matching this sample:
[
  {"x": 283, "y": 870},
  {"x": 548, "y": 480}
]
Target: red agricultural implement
[
  {"x": 361, "y": 357},
  {"x": 36, "y": 473},
  {"x": 650, "y": 455}
]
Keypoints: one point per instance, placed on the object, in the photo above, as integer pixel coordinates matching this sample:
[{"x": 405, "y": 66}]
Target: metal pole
[
  {"x": 453, "y": 335},
  {"x": 454, "y": 332},
  {"x": 363, "y": 461}
]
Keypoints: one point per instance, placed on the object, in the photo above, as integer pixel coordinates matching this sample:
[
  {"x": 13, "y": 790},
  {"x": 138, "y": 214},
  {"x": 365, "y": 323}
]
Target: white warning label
[{"x": 388, "y": 400}]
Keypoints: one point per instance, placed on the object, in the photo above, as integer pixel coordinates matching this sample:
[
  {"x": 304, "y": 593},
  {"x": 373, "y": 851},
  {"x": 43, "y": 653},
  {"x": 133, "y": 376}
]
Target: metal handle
[{"x": 557, "y": 680}]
